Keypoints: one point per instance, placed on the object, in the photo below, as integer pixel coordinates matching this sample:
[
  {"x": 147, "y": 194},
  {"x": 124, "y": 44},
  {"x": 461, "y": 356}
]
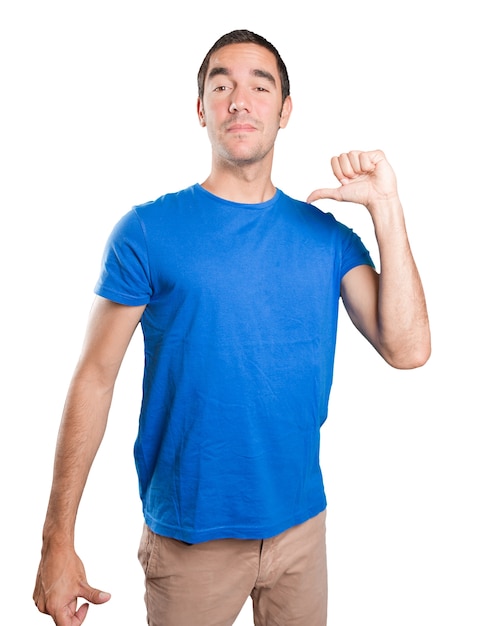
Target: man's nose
[{"x": 239, "y": 101}]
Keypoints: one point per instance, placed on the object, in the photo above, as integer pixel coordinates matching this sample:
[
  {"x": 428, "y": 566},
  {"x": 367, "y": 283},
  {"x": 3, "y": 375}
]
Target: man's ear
[
  {"x": 286, "y": 111},
  {"x": 200, "y": 112}
]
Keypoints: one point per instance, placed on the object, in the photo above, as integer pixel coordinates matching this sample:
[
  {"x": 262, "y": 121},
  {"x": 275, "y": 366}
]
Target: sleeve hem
[{"x": 120, "y": 298}]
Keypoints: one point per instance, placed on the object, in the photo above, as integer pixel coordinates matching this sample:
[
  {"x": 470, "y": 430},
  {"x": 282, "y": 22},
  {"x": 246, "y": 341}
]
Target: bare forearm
[
  {"x": 82, "y": 428},
  {"x": 402, "y": 313}
]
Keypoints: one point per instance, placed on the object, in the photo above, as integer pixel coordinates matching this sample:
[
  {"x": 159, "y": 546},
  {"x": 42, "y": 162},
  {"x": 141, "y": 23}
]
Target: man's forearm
[
  {"x": 402, "y": 312},
  {"x": 81, "y": 432}
]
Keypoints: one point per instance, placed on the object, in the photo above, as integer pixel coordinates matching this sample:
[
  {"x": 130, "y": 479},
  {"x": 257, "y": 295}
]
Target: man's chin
[{"x": 241, "y": 157}]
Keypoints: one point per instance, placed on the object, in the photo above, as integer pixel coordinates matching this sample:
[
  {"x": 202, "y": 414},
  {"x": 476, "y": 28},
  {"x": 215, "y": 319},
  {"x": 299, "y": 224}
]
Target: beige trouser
[{"x": 207, "y": 584}]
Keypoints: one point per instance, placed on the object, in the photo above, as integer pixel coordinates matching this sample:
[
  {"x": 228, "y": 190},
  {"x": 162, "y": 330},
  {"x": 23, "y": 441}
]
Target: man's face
[{"x": 242, "y": 106}]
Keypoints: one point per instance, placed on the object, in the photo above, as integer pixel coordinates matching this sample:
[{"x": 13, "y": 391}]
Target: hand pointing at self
[{"x": 366, "y": 178}]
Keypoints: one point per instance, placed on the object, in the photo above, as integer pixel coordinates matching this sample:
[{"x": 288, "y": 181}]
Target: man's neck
[{"x": 247, "y": 185}]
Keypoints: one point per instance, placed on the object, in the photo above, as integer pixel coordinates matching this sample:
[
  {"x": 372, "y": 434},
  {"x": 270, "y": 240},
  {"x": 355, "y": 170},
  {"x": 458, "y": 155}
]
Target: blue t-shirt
[{"x": 239, "y": 330}]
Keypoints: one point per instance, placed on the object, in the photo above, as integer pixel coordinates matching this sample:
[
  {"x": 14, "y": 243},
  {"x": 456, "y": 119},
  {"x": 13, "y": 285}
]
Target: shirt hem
[{"x": 231, "y": 532}]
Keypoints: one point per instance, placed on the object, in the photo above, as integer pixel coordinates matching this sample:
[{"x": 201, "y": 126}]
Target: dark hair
[{"x": 244, "y": 36}]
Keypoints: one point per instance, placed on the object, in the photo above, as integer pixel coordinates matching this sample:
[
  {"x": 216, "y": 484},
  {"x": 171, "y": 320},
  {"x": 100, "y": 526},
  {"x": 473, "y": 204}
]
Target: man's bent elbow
[{"x": 409, "y": 358}]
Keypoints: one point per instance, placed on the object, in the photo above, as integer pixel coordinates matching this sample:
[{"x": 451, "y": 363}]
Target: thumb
[
  {"x": 325, "y": 194},
  {"x": 95, "y": 596}
]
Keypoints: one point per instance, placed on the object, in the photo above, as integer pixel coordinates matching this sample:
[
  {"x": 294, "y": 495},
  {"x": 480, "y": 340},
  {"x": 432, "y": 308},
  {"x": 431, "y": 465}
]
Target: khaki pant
[{"x": 207, "y": 584}]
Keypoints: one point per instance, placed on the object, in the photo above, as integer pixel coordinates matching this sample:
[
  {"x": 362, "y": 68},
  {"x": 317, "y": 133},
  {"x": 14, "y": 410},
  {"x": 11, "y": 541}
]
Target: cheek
[
  {"x": 268, "y": 112},
  {"x": 216, "y": 115}
]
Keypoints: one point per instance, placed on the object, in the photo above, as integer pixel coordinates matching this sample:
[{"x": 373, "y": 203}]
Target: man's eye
[{"x": 222, "y": 88}]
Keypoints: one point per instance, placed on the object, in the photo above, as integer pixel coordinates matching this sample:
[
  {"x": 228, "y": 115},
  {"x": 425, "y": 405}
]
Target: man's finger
[
  {"x": 81, "y": 613},
  {"x": 68, "y": 616},
  {"x": 95, "y": 596},
  {"x": 323, "y": 194}
]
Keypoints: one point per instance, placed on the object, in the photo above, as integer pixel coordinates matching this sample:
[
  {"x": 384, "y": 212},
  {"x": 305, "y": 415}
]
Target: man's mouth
[{"x": 240, "y": 128}]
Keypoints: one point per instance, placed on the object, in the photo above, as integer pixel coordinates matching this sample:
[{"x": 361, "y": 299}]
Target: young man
[{"x": 237, "y": 287}]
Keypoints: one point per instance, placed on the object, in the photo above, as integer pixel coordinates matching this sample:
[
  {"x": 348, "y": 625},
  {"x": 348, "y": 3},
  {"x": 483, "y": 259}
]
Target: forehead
[{"x": 243, "y": 57}]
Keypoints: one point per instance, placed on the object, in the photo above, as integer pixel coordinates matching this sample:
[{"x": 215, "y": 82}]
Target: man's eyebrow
[
  {"x": 224, "y": 71},
  {"x": 264, "y": 74},
  {"x": 218, "y": 71}
]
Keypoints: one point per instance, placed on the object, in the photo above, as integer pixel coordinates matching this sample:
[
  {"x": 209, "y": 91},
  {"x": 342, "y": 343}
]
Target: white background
[{"x": 98, "y": 112}]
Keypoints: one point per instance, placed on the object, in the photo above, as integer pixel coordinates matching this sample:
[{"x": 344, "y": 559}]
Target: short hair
[{"x": 244, "y": 36}]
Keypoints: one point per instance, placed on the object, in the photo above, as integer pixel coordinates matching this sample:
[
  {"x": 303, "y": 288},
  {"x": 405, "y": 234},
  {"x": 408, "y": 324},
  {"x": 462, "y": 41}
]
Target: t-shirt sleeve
[
  {"x": 354, "y": 252},
  {"x": 125, "y": 275}
]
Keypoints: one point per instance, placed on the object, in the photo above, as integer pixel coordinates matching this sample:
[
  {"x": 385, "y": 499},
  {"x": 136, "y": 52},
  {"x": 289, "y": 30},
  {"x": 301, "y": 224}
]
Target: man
[{"x": 237, "y": 287}]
